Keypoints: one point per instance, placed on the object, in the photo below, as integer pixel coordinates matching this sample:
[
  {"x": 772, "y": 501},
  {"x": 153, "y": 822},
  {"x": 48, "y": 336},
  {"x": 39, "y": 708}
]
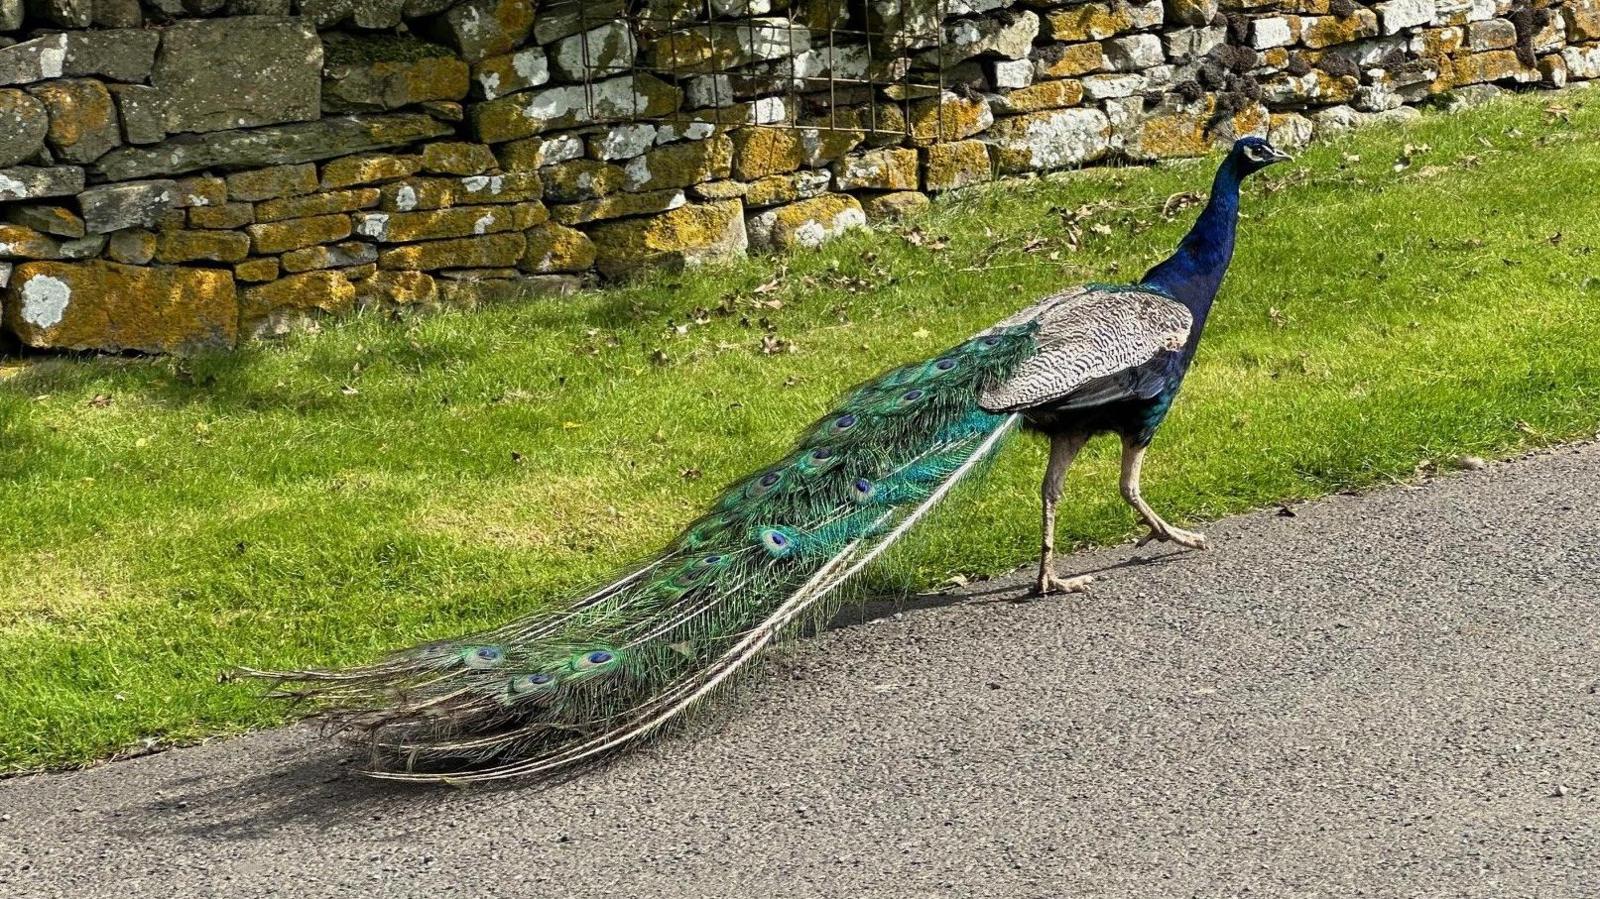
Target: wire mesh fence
[{"x": 818, "y": 65}]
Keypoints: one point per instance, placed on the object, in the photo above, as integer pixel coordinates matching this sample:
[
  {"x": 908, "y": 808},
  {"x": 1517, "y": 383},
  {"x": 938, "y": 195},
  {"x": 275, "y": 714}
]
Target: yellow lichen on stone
[
  {"x": 896, "y": 205},
  {"x": 107, "y": 306},
  {"x": 353, "y": 171},
  {"x": 1058, "y": 94},
  {"x": 686, "y": 236},
  {"x": 201, "y": 246},
  {"x": 947, "y": 118},
  {"x": 488, "y": 251},
  {"x": 397, "y": 289},
  {"x": 808, "y": 223},
  {"x": 1325, "y": 31},
  {"x": 1089, "y": 22},
  {"x": 893, "y": 168},
  {"x": 1070, "y": 61},
  {"x": 557, "y": 248},
  {"x": 330, "y": 292},
  {"x": 293, "y": 234},
  {"x": 957, "y": 164},
  {"x": 760, "y": 151}
]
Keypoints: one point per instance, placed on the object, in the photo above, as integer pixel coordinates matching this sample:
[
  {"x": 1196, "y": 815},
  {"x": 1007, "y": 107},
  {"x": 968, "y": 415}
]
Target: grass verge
[{"x": 1400, "y": 295}]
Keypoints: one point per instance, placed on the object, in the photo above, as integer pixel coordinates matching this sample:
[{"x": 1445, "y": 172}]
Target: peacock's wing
[{"x": 1095, "y": 345}]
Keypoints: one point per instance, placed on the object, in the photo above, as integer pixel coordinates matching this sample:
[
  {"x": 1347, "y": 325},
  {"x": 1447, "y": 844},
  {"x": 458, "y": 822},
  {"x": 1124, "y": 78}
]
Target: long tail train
[{"x": 571, "y": 684}]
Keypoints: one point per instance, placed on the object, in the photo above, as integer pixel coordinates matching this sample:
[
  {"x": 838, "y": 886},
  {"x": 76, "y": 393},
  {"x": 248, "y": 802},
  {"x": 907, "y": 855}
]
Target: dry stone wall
[{"x": 182, "y": 174}]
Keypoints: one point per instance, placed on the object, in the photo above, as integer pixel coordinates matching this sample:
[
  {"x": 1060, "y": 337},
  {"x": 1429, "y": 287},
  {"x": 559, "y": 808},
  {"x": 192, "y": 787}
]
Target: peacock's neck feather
[{"x": 1193, "y": 273}]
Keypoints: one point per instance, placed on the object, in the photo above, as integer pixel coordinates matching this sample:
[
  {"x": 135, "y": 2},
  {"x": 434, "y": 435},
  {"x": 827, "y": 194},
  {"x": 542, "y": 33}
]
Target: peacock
[{"x": 576, "y": 682}]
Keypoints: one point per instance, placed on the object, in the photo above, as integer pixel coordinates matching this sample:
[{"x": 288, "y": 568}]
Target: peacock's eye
[
  {"x": 912, "y": 395},
  {"x": 991, "y": 341},
  {"x": 768, "y": 479},
  {"x": 821, "y": 454},
  {"x": 945, "y": 364},
  {"x": 844, "y": 422},
  {"x": 599, "y": 657},
  {"x": 483, "y": 657}
]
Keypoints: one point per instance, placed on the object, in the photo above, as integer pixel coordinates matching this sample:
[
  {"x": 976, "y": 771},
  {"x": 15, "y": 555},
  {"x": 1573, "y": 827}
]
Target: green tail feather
[{"x": 564, "y": 686}]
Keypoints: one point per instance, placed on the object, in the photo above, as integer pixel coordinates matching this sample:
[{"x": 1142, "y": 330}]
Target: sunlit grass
[{"x": 319, "y": 500}]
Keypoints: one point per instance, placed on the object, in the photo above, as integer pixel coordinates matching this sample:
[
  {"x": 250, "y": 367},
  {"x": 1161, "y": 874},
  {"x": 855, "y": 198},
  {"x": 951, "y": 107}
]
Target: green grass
[{"x": 322, "y": 499}]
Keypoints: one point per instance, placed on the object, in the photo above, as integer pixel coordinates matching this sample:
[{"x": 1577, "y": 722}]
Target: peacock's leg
[
  {"x": 1063, "y": 449},
  {"x": 1132, "y": 461}
]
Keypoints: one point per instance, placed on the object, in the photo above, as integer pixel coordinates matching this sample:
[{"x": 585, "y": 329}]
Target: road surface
[{"x": 1393, "y": 695}]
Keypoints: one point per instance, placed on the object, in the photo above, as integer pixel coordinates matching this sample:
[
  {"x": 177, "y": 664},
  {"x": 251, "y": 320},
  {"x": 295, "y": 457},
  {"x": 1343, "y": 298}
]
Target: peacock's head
[{"x": 1252, "y": 154}]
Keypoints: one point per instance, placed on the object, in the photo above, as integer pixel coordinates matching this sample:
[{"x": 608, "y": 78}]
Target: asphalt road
[{"x": 1395, "y": 694}]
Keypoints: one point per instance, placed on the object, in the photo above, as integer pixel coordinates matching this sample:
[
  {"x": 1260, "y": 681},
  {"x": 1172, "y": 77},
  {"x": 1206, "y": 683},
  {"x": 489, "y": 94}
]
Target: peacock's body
[{"x": 561, "y": 687}]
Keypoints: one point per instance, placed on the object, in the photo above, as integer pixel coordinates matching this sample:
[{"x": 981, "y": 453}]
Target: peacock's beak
[{"x": 1279, "y": 156}]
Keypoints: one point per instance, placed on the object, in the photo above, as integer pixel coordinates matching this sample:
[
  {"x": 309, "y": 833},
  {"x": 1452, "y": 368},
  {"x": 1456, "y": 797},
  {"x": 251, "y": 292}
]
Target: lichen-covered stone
[
  {"x": 227, "y": 216},
  {"x": 134, "y": 246},
  {"x": 123, "y": 54},
  {"x": 130, "y": 204},
  {"x": 1192, "y": 12},
  {"x": 886, "y": 169},
  {"x": 378, "y": 72},
  {"x": 23, "y": 124},
  {"x": 37, "y": 60},
  {"x": 1187, "y": 45},
  {"x": 1316, "y": 86},
  {"x": 948, "y": 166},
  {"x": 1006, "y": 38},
  {"x": 1132, "y": 53},
  {"x": 437, "y": 224},
  {"x": 509, "y": 73},
  {"x": 105, "y": 306},
  {"x": 369, "y": 168},
  {"x": 530, "y": 112},
  {"x": 1495, "y": 65},
  {"x": 83, "y": 119},
  {"x": 773, "y": 189},
  {"x": 26, "y": 182},
  {"x": 680, "y": 165},
  {"x": 1042, "y": 141},
  {"x": 270, "y": 238},
  {"x": 690, "y": 235},
  {"x": 948, "y": 117},
  {"x": 617, "y": 206},
  {"x": 327, "y": 202},
  {"x": 484, "y": 28},
  {"x": 895, "y": 205},
  {"x": 57, "y": 220},
  {"x": 238, "y": 72},
  {"x": 1582, "y": 20},
  {"x": 761, "y": 151},
  {"x": 257, "y": 270},
  {"x": 326, "y": 13},
  {"x": 1327, "y": 31},
  {"x": 1089, "y": 22},
  {"x": 581, "y": 179},
  {"x": 339, "y": 255},
  {"x": 19, "y": 242},
  {"x": 622, "y": 141},
  {"x": 457, "y": 158},
  {"x": 720, "y": 46},
  {"x": 607, "y": 49},
  {"x": 1042, "y": 95},
  {"x": 1067, "y": 60},
  {"x": 557, "y": 19},
  {"x": 273, "y": 308},
  {"x": 174, "y": 246},
  {"x": 534, "y": 153},
  {"x": 1491, "y": 34},
  {"x": 386, "y": 290},
  {"x": 272, "y": 182},
  {"x": 487, "y": 251},
  {"x": 1169, "y": 133},
  {"x": 808, "y": 223},
  {"x": 1398, "y": 15},
  {"x": 139, "y": 109},
  {"x": 556, "y": 248}
]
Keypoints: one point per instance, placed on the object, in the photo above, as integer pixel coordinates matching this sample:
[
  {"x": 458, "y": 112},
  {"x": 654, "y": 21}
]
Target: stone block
[
  {"x": 680, "y": 165},
  {"x": 531, "y": 112},
  {"x": 1067, "y": 60},
  {"x": 557, "y": 19},
  {"x": 608, "y": 49},
  {"x": 257, "y": 270},
  {"x": 364, "y": 73},
  {"x": 556, "y": 248},
  {"x": 19, "y": 242},
  {"x": 105, "y": 306},
  {"x": 123, "y": 54},
  {"x": 272, "y": 182},
  {"x": 201, "y": 246},
  {"x": 534, "y": 153},
  {"x": 487, "y": 251},
  {"x": 1132, "y": 53},
  {"x": 374, "y": 14},
  {"x": 327, "y": 202},
  {"x": 1089, "y": 22},
  {"x": 1006, "y": 38},
  {"x": 617, "y": 206},
  {"x": 892, "y": 206},
  {"x": 1271, "y": 31},
  {"x": 1042, "y": 95},
  {"x": 130, "y": 204},
  {"x": 139, "y": 109},
  {"x": 948, "y": 117},
  {"x": 457, "y": 158},
  {"x": 27, "y": 182},
  {"x": 691, "y": 235},
  {"x": 1317, "y": 32},
  {"x": 720, "y": 46},
  {"x": 387, "y": 290},
  {"x": 1398, "y": 15},
  {"x": 952, "y": 165},
  {"x": 134, "y": 246},
  {"x": 370, "y": 168},
  {"x": 40, "y": 59},
  {"x": 1191, "y": 12},
  {"x": 806, "y": 224},
  {"x": 270, "y": 309},
  {"x": 23, "y": 125},
  {"x": 886, "y": 169},
  {"x": 302, "y": 142},
  {"x": 221, "y": 74},
  {"x": 57, "y": 220},
  {"x": 1491, "y": 34},
  {"x": 271, "y": 238},
  {"x": 774, "y": 189},
  {"x": 222, "y": 217},
  {"x": 484, "y": 28},
  {"x": 437, "y": 224},
  {"x": 340, "y": 255},
  {"x": 83, "y": 119},
  {"x": 1043, "y": 141},
  {"x": 509, "y": 73}
]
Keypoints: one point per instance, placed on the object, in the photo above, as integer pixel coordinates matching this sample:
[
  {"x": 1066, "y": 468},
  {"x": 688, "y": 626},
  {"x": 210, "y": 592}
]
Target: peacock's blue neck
[{"x": 1194, "y": 272}]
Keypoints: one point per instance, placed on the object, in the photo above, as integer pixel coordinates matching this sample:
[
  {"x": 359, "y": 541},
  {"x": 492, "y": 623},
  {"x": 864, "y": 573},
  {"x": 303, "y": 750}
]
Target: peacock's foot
[
  {"x": 1166, "y": 533},
  {"x": 1049, "y": 583}
]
